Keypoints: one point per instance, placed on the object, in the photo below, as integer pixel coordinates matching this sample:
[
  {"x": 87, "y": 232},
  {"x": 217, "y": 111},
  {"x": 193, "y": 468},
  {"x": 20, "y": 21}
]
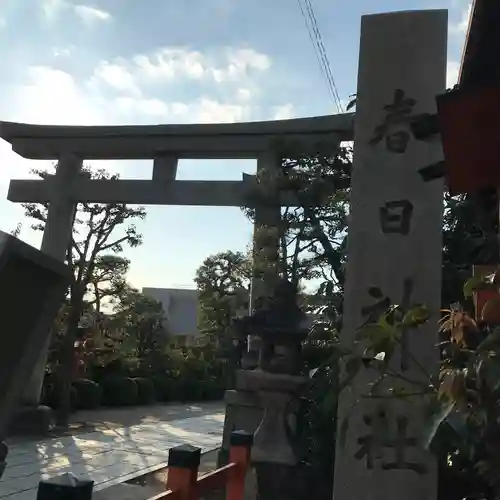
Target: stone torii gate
[{"x": 165, "y": 144}]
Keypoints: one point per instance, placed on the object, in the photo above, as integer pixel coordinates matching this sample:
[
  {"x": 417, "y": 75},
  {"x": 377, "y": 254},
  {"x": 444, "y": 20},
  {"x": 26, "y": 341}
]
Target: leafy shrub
[
  {"x": 131, "y": 367},
  {"x": 193, "y": 371},
  {"x": 146, "y": 390},
  {"x": 189, "y": 389},
  {"x": 113, "y": 368},
  {"x": 163, "y": 387},
  {"x": 177, "y": 389},
  {"x": 212, "y": 389},
  {"x": 120, "y": 391},
  {"x": 89, "y": 394},
  {"x": 52, "y": 397}
]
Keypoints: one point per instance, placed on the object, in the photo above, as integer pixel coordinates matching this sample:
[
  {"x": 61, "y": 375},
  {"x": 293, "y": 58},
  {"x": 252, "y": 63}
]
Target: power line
[
  {"x": 316, "y": 53},
  {"x": 307, "y": 11},
  {"x": 324, "y": 54}
]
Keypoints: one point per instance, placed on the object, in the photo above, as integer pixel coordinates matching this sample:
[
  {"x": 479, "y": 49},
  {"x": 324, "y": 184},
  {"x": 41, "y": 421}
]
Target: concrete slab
[{"x": 108, "y": 456}]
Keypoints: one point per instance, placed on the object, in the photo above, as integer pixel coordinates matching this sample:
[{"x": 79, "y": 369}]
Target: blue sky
[{"x": 178, "y": 61}]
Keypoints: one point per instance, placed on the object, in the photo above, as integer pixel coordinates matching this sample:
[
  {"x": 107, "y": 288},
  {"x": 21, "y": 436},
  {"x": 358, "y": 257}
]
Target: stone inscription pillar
[{"x": 394, "y": 245}]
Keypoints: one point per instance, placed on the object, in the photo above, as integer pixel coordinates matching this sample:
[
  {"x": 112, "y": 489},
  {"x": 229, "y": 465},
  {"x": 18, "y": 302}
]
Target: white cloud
[
  {"x": 62, "y": 51},
  {"x": 102, "y": 95},
  {"x": 132, "y": 77},
  {"x": 139, "y": 106},
  {"x": 452, "y": 73},
  {"x": 244, "y": 94},
  {"x": 463, "y": 25},
  {"x": 116, "y": 75},
  {"x": 202, "y": 110},
  {"x": 209, "y": 111},
  {"x": 284, "y": 112},
  {"x": 459, "y": 24},
  {"x": 52, "y": 8},
  {"x": 240, "y": 62},
  {"x": 460, "y": 27},
  {"x": 179, "y": 109},
  {"x": 91, "y": 15},
  {"x": 169, "y": 63},
  {"x": 88, "y": 14},
  {"x": 116, "y": 92},
  {"x": 53, "y": 96}
]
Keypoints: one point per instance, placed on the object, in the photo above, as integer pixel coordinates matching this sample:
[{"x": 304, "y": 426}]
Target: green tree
[
  {"x": 108, "y": 279},
  {"x": 313, "y": 235},
  {"x": 17, "y": 230},
  {"x": 98, "y": 229},
  {"x": 223, "y": 282},
  {"x": 143, "y": 320},
  {"x": 470, "y": 236}
]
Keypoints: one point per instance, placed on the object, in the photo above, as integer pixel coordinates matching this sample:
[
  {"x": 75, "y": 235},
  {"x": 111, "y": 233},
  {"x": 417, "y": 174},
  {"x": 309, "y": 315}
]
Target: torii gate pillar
[{"x": 56, "y": 236}]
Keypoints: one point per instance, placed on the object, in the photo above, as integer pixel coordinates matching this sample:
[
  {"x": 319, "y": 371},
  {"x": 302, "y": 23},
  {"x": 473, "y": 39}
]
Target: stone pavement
[{"x": 110, "y": 454}]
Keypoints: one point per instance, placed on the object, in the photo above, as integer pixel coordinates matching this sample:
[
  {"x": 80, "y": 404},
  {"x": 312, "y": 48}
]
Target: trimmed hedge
[
  {"x": 146, "y": 390},
  {"x": 89, "y": 394},
  {"x": 189, "y": 389},
  {"x": 212, "y": 390},
  {"x": 163, "y": 387},
  {"x": 120, "y": 391},
  {"x": 52, "y": 397}
]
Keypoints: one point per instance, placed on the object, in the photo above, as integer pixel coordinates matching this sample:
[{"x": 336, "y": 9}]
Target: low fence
[{"x": 183, "y": 482}]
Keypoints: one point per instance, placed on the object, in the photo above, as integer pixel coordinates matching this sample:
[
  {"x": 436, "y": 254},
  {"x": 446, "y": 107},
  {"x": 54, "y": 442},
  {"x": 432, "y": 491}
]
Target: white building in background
[{"x": 180, "y": 307}]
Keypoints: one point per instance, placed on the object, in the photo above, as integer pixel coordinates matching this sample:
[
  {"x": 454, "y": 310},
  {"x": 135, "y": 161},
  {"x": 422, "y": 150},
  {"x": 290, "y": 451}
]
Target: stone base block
[
  {"x": 258, "y": 380},
  {"x": 243, "y": 412},
  {"x": 31, "y": 420},
  {"x": 250, "y": 360}
]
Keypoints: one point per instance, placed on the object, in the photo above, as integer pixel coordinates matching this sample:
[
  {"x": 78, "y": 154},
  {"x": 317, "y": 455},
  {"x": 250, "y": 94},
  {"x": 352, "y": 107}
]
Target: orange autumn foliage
[{"x": 490, "y": 313}]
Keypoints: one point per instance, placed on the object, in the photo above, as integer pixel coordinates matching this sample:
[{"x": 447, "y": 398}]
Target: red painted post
[
  {"x": 183, "y": 463},
  {"x": 239, "y": 454}
]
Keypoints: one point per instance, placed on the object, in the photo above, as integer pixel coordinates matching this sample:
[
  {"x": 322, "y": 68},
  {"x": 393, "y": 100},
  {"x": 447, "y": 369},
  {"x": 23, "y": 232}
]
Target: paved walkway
[{"x": 110, "y": 453}]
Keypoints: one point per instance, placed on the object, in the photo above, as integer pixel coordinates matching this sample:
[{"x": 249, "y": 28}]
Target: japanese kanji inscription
[
  {"x": 375, "y": 445},
  {"x": 395, "y": 217},
  {"x": 395, "y": 128}
]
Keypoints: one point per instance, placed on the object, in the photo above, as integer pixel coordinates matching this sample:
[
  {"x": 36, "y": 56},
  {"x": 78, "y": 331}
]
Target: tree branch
[{"x": 117, "y": 242}]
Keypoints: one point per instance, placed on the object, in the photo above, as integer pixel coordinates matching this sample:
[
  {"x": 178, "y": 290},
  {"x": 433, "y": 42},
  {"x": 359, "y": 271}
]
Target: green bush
[
  {"x": 212, "y": 390},
  {"x": 113, "y": 368},
  {"x": 163, "y": 387},
  {"x": 52, "y": 397},
  {"x": 131, "y": 367},
  {"x": 120, "y": 391},
  {"x": 146, "y": 390},
  {"x": 190, "y": 389},
  {"x": 89, "y": 394},
  {"x": 178, "y": 390}
]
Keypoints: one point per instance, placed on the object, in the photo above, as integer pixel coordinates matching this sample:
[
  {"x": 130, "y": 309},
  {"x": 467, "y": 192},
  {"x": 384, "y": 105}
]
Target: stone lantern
[
  {"x": 278, "y": 383},
  {"x": 279, "y": 330}
]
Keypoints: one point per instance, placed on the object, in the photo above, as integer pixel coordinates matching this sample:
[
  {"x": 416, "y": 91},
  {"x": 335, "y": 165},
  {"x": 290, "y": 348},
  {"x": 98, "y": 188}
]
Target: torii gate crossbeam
[{"x": 165, "y": 144}]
